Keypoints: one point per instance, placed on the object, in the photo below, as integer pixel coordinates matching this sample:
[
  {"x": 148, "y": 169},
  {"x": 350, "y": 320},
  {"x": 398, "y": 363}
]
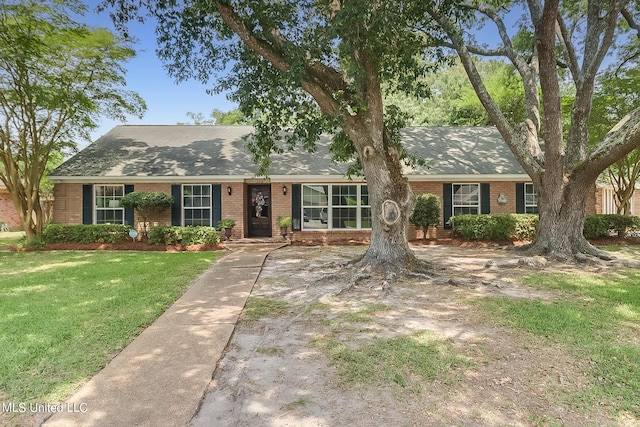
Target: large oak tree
[
  {"x": 561, "y": 43},
  {"x": 308, "y": 67},
  {"x": 57, "y": 78}
]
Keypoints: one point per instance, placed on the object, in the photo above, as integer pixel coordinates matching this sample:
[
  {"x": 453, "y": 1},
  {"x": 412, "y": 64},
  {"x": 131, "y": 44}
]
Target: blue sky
[{"x": 167, "y": 101}]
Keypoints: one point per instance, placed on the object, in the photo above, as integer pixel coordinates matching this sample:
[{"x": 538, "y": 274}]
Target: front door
[{"x": 259, "y": 210}]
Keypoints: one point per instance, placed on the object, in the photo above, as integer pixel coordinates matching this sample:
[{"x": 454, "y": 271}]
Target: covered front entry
[{"x": 259, "y": 210}]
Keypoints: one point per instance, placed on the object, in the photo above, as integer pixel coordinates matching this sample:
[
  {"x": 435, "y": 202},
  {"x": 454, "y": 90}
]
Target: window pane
[
  {"x": 197, "y": 205},
  {"x": 107, "y": 204},
  {"x": 364, "y": 195},
  {"x": 465, "y": 210},
  {"x": 315, "y": 195},
  {"x": 344, "y": 218},
  {"x": 365, "y": 218},
  {"x": 345, "y": 195},
  {"x": 315, "y": 218},
  {"x": 113, "y": 216},
  {"x": 466, "y": 194}
]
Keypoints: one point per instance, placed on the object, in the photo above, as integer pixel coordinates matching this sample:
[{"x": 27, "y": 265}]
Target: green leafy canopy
[{"x": 304, "y": 46}]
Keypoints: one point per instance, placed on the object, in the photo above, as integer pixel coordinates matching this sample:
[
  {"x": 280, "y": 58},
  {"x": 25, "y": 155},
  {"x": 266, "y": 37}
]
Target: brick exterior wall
[
  {"x": 67, "y": 204},
  {"x": 68, "y": 208},
  {"x": 8, "y": 212}
]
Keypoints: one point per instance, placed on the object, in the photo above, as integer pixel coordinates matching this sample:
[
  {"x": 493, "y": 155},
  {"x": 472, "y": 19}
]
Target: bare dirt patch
[{"x": 276, "y": 372}]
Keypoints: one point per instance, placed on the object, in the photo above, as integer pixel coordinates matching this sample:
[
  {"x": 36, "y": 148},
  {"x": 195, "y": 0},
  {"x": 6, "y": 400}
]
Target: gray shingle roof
[{"x": 184, "y": 151}]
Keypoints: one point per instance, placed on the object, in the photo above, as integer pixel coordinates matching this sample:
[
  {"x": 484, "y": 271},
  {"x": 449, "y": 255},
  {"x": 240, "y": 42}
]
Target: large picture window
[
  {"x": 335, "y": 207},
  {"x": 530, "y": 199},
  {"x": 466, "y": 199},
  {"x": 107, "y": 204},
  {"x": 196, "y": 203}
]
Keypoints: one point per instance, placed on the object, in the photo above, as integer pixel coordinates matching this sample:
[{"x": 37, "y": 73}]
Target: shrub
[
  {"x": 426, "y": 212},
  {"x": 283, "y": 221},
  {"x": 83, "y": 233},
  {"x": 622, "y": 223},
  {"x": 495, "y": 227},
  {"x": 524, "y": 226},
  {"x": 146, "y": 204},
  {"x": 596, "y": 226},
  {"x": 171, "y": 235},
  {"x": 226, "y": 223}
]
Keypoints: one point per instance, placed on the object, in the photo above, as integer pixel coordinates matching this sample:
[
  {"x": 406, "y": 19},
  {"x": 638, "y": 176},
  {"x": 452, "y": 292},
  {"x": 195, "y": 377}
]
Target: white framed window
[
  {"x": 335, "y": 207},
  {"x": 196, "y": 205},
  {"x": 107, "y": 204},
  {"x": 466, "y": 199},
  {"x": 530, "y": 199}
]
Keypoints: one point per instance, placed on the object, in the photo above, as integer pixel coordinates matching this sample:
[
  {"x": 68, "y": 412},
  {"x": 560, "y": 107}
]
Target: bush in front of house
[
  {"x": 494, "y": 227},
  {"x": 147, "y": 204},
  {"x": 601, "y": 225},
  {"x": 85, "y": 233},
  {"x": 172, "y": 235},
  {"x": 426, "y": 212},
  {"x": 524, "y": 226}
]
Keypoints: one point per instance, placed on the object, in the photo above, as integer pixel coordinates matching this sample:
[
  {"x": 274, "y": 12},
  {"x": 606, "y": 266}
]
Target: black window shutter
[
  {"x": 520, "y": 197},
  {"x": 216, "y": 204},
  {"x": 485, "y": 198},
  {"x": 176, "y": 208},
  {"x": 296, "y": 207},
  {"x": 447, "y": 204},
  {"x": 128, "y": 212},
  {"x": 87, "y": 204}
]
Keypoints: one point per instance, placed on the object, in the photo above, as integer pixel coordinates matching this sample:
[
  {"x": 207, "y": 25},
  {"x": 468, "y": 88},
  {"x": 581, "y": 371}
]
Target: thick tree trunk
[
  {"x": 560, "y": 231},
  {"x": 391, "y": 201}
]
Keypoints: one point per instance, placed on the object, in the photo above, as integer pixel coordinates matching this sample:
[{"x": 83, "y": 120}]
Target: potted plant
[
  {"x": 284, "y": 222},
  {"x": 227, "y": 225}
]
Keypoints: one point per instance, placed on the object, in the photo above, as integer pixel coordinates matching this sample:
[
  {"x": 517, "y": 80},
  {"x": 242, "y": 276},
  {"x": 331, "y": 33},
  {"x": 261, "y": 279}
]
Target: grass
[
  {"x": 599, "y": 318},
  {"x": 64, "y": 314},
  {"x": 259, "y": 307},
  {"x": 408, "y": 361},
  {"x": 10, "y": 239},
  {"x": 365, "y": 314},
  {"x": 301, "y": 401}
]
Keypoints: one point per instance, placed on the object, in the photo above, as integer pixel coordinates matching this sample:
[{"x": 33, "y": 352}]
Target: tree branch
[
  {"x": 631, "y": 21},
  {"x": 310, "y": 83},
  {"x": 572, "y": 61},
  {"x": 620, "y": 140},
  {"x": 523, "y": 142}
]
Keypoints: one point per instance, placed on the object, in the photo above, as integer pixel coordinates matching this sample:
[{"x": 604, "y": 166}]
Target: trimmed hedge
[
  {"x": 172, "y": 235},
  {"x": 495, "y": 227},
  {"x": 524, "y": 226},
  {"x": 81, "y": 233},
  {"x": 601, "y": 225}
]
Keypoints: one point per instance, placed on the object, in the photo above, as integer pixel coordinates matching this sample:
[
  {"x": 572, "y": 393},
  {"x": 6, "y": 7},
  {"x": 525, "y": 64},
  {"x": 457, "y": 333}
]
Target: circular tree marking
[{"x": 390, "y": 212}]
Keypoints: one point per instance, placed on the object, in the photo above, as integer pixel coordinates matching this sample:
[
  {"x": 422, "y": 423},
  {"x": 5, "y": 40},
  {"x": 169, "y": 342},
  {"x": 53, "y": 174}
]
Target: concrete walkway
[{"x": 161, "y": 377}]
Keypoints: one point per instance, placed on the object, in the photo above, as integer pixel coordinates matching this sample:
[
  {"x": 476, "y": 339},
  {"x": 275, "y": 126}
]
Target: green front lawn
[
  {"x": 598, "y": 317},
  {"x": 64, "y": 314}
]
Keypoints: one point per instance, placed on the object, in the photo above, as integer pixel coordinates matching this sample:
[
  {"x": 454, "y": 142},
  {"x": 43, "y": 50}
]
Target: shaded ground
[{"x": 276, "y": 373}]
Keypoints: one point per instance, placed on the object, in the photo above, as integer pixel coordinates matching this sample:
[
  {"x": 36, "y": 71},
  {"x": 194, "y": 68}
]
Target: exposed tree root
[{"x": 579, "y": 254}]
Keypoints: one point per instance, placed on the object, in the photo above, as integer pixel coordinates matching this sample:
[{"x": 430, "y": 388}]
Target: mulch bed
[
  {"x": 143, "y": 246},
  {"x": 128, "y": 246}
]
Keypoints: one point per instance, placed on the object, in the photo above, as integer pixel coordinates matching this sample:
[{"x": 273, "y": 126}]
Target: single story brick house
[{"x": 211, "y": 176}]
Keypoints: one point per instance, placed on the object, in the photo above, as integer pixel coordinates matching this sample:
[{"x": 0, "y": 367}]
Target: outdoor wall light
[
  {"x": 284, "y": 190},
  {"x": 229, "y": 190}
]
